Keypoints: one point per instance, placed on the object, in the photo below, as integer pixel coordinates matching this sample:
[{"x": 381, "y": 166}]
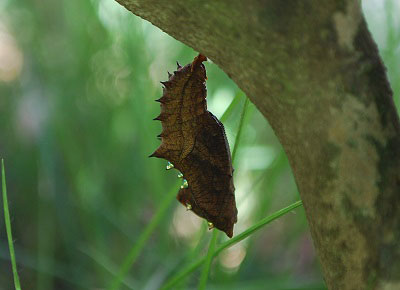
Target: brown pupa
[{"x": 194, "y": 141}]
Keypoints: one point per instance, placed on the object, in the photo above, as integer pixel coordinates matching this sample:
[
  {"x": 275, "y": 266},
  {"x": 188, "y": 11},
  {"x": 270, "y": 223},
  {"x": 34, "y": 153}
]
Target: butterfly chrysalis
[{"x": 193, "y": 140}]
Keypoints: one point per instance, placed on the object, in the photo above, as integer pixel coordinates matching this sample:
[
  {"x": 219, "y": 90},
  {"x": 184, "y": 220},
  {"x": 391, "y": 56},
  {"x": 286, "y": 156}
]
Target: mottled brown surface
[{"x": 194, "y": 141}]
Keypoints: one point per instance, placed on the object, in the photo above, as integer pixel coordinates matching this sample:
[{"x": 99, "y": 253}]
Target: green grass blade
[
  {"x": 192, "y": 267},
  {"x": 103, "y": 261},
  {"x": 194, "y": 253},
  {"x": 257, "y": 226},
  {"x": 8, "y": 228},
  {"x": 231, "y": 107},
  {"x": 239, "y": 132},
  {"x": 207, "y": 265},
  {"x": 183, "y": 274},
  {"x": 143, "y": 238}
]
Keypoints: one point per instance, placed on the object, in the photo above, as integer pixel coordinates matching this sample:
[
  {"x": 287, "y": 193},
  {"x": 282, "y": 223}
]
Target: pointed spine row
[
  {"x": 167, "y": 85},
  {"x": 162, "y": 117}
]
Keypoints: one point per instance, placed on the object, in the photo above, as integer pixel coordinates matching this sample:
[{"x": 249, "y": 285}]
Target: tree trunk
[{"x": 313, "y": 70}]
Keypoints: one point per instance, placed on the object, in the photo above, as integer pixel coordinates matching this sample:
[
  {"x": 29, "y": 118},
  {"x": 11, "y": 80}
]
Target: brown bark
[{"x": 313, "y": 70}]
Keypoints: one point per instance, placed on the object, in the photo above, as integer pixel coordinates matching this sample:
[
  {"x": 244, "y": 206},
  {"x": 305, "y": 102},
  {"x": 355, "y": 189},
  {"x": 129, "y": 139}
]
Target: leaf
[{"x": 194, "y": 141}]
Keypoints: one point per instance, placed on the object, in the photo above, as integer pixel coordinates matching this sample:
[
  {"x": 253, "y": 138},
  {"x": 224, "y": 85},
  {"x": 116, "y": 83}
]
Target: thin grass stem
[
  {"x": 239, "y": 132},
  {"x": 231, "y": 107},
  {"x": 207, "y": 265},
  {"x": 143, "y": 238},
  {"x": 258, "y": 226},
  {"x": 8, "y": 228},
  {"x": 183, "y": 274}
]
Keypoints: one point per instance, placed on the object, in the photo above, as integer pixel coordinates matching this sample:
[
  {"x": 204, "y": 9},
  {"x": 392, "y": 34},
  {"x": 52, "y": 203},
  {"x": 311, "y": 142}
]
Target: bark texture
[{"x": 313, "y": 70}]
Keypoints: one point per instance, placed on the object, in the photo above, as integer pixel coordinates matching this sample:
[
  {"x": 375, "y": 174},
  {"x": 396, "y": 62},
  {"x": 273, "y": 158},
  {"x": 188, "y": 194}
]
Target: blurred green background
[{"x": 78, "y": 80}]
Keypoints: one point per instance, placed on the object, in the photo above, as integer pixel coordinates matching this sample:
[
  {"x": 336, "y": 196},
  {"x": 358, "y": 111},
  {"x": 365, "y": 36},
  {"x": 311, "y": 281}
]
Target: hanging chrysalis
[{"x": 193, "y": 141}]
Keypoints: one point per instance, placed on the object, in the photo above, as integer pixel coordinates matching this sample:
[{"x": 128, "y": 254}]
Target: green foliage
[
  {"x": 211, "y": 253},
  {"x": 88, "y": 208}
]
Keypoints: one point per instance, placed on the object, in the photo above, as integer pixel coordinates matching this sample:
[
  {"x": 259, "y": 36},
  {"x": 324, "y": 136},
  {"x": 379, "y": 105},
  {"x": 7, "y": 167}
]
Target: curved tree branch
[{"x": 314, "y": 72}]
